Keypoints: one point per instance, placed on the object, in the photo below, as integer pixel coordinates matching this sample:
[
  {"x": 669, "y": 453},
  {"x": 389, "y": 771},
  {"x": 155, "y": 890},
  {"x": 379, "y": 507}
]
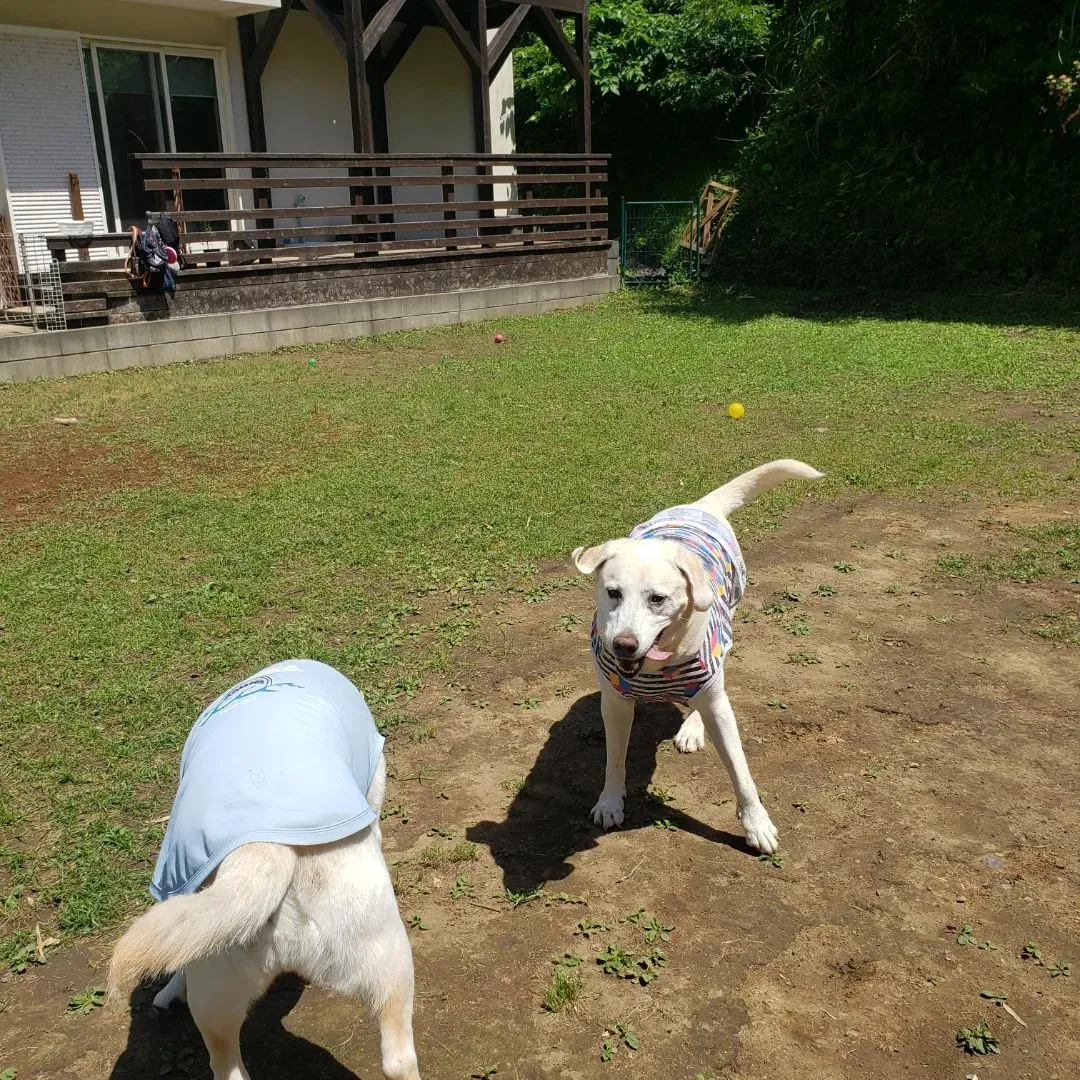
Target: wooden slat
[
  {"x": 249, "y": 214},
  {"x": 341, "y": 161},
  {"x": 458, "y": 180},
  {"x": 424, "y": 225}
]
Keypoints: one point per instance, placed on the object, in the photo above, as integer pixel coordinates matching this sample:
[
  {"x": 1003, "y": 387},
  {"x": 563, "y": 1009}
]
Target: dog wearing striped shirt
[{"x": 665, "y": 597}]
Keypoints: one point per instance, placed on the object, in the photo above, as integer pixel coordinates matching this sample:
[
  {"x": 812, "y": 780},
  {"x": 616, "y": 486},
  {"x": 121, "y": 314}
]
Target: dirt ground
[{"x": 923, "y": 775}]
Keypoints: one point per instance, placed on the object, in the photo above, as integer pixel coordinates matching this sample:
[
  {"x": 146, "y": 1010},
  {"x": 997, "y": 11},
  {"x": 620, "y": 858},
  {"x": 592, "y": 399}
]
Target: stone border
[{"x": 59, "y": 353}]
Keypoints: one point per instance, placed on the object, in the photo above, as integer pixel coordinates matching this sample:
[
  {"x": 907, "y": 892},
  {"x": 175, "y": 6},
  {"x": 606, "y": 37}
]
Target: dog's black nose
[{"x": 625, "y": 645}]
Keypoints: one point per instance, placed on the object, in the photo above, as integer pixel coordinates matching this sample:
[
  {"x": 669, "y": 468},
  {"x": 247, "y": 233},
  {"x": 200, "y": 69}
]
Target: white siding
[{"x": 45, "y": 132}]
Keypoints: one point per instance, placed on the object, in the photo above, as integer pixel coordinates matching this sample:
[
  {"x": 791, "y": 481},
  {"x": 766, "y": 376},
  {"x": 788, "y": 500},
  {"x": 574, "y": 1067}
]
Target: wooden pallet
[{"x": 713, "y": 210}]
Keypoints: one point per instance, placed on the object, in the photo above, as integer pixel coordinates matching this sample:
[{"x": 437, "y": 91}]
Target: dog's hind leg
[
  {"x": 394, "y": 1011},
  {"x": 175, "y": 990},
  {"x": 691, "y": 736},
  {"x": 220, "y": 989}
]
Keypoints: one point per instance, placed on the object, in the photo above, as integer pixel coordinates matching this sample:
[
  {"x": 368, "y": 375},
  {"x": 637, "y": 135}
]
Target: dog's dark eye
[
  {"x": 656, "y": 599},
  {"x": 615, "y": 594}
]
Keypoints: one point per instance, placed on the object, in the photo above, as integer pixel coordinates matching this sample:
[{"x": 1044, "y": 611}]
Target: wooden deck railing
[{"x": 374, "y": 204}]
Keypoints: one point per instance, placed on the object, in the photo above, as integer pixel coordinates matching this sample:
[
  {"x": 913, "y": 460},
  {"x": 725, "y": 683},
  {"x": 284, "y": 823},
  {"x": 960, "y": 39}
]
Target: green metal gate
[{"x": 659, "y": 241}]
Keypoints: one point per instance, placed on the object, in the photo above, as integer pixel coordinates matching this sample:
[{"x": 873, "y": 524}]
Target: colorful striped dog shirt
[{"x": 713, "y": 542}]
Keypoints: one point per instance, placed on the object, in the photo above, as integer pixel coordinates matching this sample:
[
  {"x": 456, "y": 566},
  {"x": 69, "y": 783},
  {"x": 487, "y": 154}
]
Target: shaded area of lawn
[{"x": 353, "y": 511}]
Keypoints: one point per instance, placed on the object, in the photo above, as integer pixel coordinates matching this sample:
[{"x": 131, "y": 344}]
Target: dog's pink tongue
[{"x": 656, "y": 653}]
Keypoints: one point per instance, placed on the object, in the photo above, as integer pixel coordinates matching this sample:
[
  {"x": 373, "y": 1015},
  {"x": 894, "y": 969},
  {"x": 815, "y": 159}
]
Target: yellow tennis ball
[{"x": 736, "y": 410}]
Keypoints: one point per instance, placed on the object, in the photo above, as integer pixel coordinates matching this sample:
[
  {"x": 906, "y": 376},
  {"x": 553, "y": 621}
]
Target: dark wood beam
[
  {"x": 252, "y": 85},
  {"x": 400, "y": 46},
  {"x": 328, "y": 20},
  {"x": 378, "y": 26},
  {"x": 359, "y": 89},
  {"x": 271, "y": 31},
  {"x": 549, "y": 28},
  {"x": 458, "y": 34},
  {"x": 581, "y": 35},
  {"x": 482, "y": 81},
  {"x": 503, "y": 42}
]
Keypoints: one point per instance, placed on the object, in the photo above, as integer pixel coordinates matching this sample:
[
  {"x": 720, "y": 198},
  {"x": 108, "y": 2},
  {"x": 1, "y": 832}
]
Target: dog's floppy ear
[
  {"x": 589, "y": 560},
  {"x": 691, "y": 568}
]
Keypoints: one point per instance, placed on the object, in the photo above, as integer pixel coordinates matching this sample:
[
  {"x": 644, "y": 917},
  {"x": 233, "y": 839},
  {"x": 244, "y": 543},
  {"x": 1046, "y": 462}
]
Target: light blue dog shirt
[{"x": 284, "y": 757}]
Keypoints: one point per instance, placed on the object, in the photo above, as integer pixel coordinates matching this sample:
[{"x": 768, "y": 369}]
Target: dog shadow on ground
[
  {"x": 550, "y": 818},
  {"x": 170, "y": 1044}
]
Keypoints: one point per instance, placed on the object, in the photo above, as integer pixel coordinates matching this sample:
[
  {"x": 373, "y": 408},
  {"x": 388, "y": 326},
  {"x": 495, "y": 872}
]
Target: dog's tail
[
  {"x": 750, "y": 485},
  {"x": 248, "y": 888}
]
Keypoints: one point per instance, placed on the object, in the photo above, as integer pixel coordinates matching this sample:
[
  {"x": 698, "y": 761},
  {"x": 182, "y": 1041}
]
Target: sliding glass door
[{"x": 147, "y": 100}]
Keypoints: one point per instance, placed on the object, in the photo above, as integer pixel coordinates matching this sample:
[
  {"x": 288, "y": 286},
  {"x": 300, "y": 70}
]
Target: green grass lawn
[{"x": 290, "y": 510}]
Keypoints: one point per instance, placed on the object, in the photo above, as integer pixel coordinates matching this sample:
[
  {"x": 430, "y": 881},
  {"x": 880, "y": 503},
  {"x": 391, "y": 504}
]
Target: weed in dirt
[
  {"x": 791, "y": 595},
  {"x": 566, "y": 984},
  {"x": 422, "y": 734},
  {"x": 568, "y": 621},
  {"x": 439, "y": 830},
  {"x": 994, "y": 997},
  {"x": 848, "y": 686},
  {"x": 462, "y": 889},
  {"x": 967, "y": 936},
  {"x": 802, "y": 807},
  {"x": 896, "y": 553},
  {"x": 660, "y": 796},
  {"x": 528, "y": 703},
  {"x": 775, "y": 860},
  {"x": 8, "y": 1074},
  {"x": 876, "y": 769},
  {"x": 485, "y": 1072},
  {"x": 666, "y": 824},
  {"x": 416, "y": 922},
  {"x": 894, "y": 588},
  {"x": 624, "y": 964},
  {"x": 825, "y": 590},
  {"x": 86, "y": 1001},
  {"x": 618, "y": 1034},
  {"x": 564, "y": 691},
  {"x": 1031, "y": 950},
  {"x": 978, "y": 1039},
  {"x": 525, "y": 896},
  {"x": 776, "y": 703},
  {"x": 513, "y": 785},
  {"x": 1057, "y": 969},
  {"x": 481, "y": 703},
  {"x": 554, "y": 899},
  {"x": 653, "y": 928},
  {"x": 942, "y": 619},
  {"x": 435, "y": 855},
  {"x": 799, "y": 626},
  {"x": 774, "y": 608},
  {"x": 398, "y": 810},
  {"x": 806, "y": 658},
  {"x": 590, "y": 927},
  {"x": 179, "y": 1061},
  {"x": 845, "y": 567}
]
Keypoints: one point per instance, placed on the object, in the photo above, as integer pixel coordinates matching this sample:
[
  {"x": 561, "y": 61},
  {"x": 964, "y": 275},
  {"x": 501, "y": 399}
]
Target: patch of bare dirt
[{"x": 924, "y": 776}]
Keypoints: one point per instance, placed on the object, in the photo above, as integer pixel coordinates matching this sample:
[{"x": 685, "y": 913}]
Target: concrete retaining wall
[{"x": 169, "y": 341}]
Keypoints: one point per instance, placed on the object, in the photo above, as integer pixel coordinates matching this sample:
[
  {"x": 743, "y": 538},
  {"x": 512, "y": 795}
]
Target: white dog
[
  {"x": 664, "y": 602},
  {"x": 276, "y": 825}
]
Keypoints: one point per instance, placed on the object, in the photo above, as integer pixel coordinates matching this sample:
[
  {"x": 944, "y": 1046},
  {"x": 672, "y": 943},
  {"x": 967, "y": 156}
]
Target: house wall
[{"x": 45, "y": 128}]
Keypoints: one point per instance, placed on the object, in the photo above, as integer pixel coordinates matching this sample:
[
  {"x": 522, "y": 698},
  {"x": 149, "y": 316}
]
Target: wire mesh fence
[
  {"x": 659, "y": 241},
  {"x": 31, "y": 291}
]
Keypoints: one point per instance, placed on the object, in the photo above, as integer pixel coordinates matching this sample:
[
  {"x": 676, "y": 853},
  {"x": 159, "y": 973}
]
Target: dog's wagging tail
[
  {"x": 228, "y": 913},
  {"x": 747, "y": 487}
]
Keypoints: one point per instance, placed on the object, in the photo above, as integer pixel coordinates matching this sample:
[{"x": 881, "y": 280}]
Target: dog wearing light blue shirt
[{"x": 272, "y": 862}]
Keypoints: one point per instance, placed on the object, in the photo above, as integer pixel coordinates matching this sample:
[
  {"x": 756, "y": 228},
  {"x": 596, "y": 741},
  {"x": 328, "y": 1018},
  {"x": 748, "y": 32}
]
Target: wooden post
[
  {"x": 363, "y": 124},
  {"x": 449, "y": 215},
  {"x": 581, "y": 42},
  {"x": 482, "y": 105},
  {"x": 251, "y": 56}
]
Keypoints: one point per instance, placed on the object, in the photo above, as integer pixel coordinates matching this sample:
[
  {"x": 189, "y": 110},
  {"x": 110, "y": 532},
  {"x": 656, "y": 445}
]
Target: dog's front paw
[
  {"x": 608, "y": 812},
  {"x": 691, "y": 736},
  {"x": 760, "y": 831}
]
